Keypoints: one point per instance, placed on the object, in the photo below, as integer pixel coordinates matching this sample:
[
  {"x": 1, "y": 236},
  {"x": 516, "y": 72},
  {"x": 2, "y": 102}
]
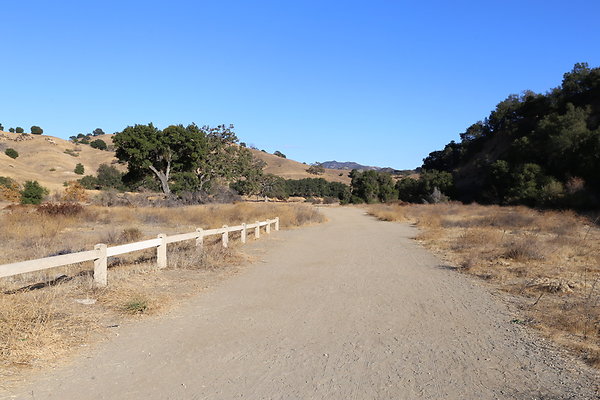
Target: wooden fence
[{"x": 101, "y": 252}]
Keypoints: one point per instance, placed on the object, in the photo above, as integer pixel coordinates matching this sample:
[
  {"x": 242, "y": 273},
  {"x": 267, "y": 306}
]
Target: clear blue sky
[{"x": 377, "y": 82}]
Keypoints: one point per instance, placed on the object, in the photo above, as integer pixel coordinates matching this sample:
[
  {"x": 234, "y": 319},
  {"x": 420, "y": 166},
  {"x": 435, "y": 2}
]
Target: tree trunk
[{"x": 163, "y": 178}]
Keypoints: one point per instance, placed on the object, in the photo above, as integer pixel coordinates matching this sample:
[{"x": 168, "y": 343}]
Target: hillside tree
[{"x": 147, "y": 149}]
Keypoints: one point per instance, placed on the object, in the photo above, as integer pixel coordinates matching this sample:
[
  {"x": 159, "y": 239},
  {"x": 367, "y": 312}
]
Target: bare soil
[{"x": 353, "y": 309}]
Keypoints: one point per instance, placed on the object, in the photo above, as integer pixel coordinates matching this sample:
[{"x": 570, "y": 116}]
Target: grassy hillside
[
  {"x": 43, "y": 158},
  {"x": 51, "y": 161},
  {"x": 290, "y": 169}
]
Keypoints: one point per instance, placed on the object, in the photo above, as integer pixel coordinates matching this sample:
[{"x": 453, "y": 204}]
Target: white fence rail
[{"x": 101, "y": 252}]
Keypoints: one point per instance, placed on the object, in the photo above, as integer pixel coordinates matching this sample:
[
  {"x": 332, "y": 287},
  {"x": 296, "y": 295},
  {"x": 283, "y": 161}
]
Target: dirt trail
[{"x": 352, "y": 309}]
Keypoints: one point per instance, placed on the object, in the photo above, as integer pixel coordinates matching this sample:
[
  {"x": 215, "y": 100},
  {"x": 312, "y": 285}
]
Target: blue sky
[{"x": 377, "y": 82}]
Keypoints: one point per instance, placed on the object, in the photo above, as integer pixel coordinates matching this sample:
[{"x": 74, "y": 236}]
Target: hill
[
  {"x": 534, "y": 149},
  {"x": 290, "y": 169},
  {"x": 49, "y": 160},
  {"x": 350, "y": 165}
]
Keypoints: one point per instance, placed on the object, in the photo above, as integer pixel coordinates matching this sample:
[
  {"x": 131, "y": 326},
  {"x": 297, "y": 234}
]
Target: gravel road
[{"x": 351, "y": 309}]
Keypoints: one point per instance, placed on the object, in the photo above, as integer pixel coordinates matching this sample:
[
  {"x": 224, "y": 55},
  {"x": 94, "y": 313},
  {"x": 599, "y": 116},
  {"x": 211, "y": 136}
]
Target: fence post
[
  {"x": 257, "y": 230},
  {"x": 200, "y": 238},
  {"x": 225, "y": 237},
  {"x": 101, "y": 266},
  {"x": 277, "y": 223},
  {"x": 268, "y": 227},
  {"x": 243, "y": 233},
  {"x": 161, "y": 252}
]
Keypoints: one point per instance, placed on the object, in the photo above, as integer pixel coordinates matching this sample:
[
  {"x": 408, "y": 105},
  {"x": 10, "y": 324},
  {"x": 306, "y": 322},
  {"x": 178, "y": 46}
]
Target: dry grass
[
  {"x": 549, "y": 260},
  {"x": 39, "y": 327}
]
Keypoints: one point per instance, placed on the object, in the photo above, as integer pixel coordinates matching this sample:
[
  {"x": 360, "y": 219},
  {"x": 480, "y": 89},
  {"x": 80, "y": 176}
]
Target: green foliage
[
  {"x": 33, "y": 193},
  {"x": 279, "y": 154},
  {"x": 36, "y": 130},
  {"x": 71, "y": 152},
  {"x": 97, "y": 132},
  {"x": 79, "y": 169},
  {"x": 147, "y": 149},
  {"x": 107, "y": 177},
  {"x": 99, "y": 144},
  {"x": 19, "y": 129},
  {"x": 530, "y": 146},
  {"x": 1, "y": 127},
  {"x": 11, "y": 130},
  {"x": 12, "y": 153},
  {"x": 372, "y": 186},
  {"x": 273, "y": 186},
  {"x": 7, "y": 182},
  {"x": 190, "y": 158}
]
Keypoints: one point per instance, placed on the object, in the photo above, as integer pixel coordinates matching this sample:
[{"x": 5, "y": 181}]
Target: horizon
[{"x": 380, "y": 85}]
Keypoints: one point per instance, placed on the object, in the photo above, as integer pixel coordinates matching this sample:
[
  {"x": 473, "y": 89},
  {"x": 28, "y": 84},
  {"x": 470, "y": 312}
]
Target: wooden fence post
[
  {"x": 257, "y": 230},
  {"x": 243, "y": 233},
  {"x": 101, "y": 266},
  {"x": 277, "y": 223},
  {"x": 225, "y": 237},
  {"x": 268, "y": 227},
  {"x": 161, "y": 252},
  {"x": 200, "y": 238}
]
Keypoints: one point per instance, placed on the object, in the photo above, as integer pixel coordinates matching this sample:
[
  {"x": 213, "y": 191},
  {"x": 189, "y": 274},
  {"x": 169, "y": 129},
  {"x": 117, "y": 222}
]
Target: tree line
[
  {"x": 34, "y": 130},
  {"x": 533, "y": 149}
]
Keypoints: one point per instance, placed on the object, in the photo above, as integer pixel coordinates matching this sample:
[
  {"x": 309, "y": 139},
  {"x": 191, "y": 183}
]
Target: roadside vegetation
[
  {"x": 548, "y": 260},
  {"x": 45, "y": 315}
]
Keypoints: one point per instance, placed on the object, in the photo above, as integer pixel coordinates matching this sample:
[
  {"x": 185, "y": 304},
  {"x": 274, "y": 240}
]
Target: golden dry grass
[
  {"x": 43, "y": 158},
  {"x": 290, "y": 169},
  {"x": 550, "y": 260},
  {"x": 39, "y": 327}
]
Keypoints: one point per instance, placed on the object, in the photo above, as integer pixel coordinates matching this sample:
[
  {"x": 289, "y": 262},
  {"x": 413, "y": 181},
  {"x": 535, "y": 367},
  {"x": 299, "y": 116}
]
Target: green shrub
[
  {"x": 99, "y": 144},
  {"x": 33, "y": 193},
  {"x": 72, "y": 153},
  {"x": 19, "y": 129},
  {"x": 12, "y": 153},
  {"x": 36, "y": 130},
  {"x": 79, "y": 169}
]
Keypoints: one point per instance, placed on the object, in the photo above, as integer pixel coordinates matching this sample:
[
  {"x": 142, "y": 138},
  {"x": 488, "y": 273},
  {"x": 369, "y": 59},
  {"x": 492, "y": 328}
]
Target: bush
[
  {"x": 108, "y": 177},
  {"x": 9, "y": 190},
  {"x": 79, "y": 169},
  {"x": 63, "y": 209},
  {"x": 316, "y": 169},
  {"x": 19, "y": 129},
  {"x": 89, "y": 182},
  {"x": 12, "y": 153},
  {"x": 75, "y": 192},
  {"x": 99, "y": 144},
  {"x": 11, "y": 130},
  {"x": 33, "y": 193},
  {"x": 36, "y": 130},
  {"x": 279, "y": 154}
]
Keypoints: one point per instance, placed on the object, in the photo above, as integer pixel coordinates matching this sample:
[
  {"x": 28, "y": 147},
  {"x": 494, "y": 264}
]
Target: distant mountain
[{"x": 350, "y": 165}]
